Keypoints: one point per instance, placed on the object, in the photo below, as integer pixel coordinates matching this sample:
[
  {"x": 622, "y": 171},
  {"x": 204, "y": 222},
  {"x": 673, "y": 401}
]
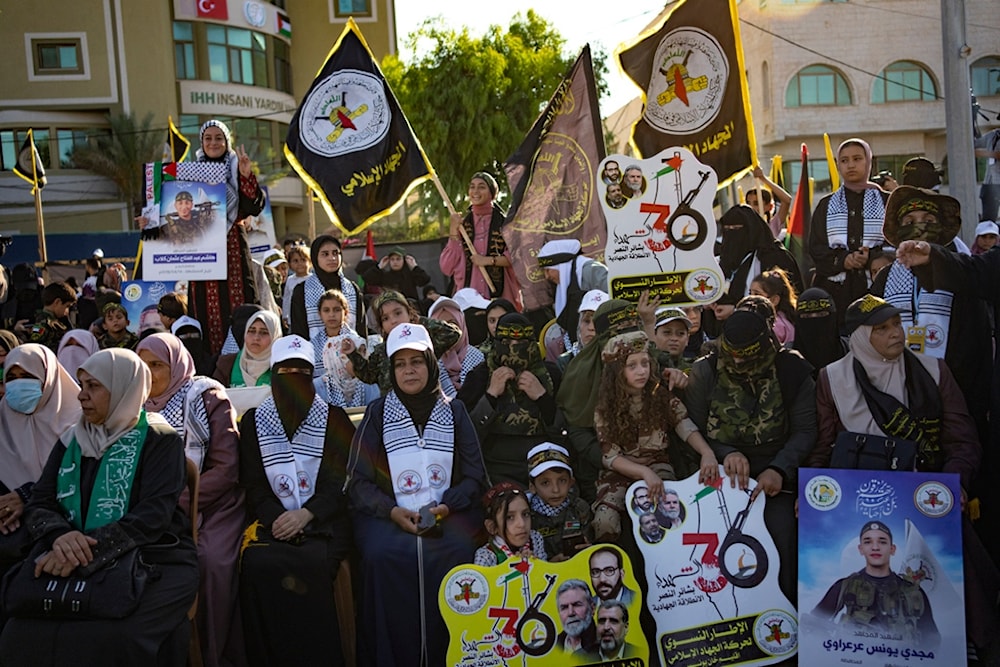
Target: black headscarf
[
  {"x": 293, "y": 393},
  {"x": 817, "y": 335},
  {"x": 421, "y": 404},
  {"x": 748, "y": 233},
  {"x": 239, "y": 319},
  {"x": 329, "y": 280}
]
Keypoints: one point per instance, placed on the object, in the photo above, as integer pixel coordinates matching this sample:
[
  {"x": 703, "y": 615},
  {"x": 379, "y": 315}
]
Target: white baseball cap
[
  {"x": 467, "y": 297},
  {"x": 440, "y": 303},
  {"x": 593, "y": 299},
  {"x": 547, "y": 456},
  {"x": 185, "y": 321},
  {"x": 987, "y": 227},
  {"x": 407, "y": 336},
  {"x": 292, "y": 347}
]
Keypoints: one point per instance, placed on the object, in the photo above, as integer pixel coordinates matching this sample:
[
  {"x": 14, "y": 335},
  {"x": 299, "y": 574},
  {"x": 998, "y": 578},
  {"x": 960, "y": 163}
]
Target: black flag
[
  {"x": 349, "y": 139},
  {"x": 29, "y": 163},
  {"x": 691, "y": 71}
]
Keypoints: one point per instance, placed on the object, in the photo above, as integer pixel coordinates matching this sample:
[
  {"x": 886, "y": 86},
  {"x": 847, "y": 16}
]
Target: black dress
[{"x": 153, "y": 517}]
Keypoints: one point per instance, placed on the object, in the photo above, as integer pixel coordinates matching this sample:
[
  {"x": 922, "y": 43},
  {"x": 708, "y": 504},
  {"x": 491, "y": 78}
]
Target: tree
[
  {"x": 121, "y": 156},
  {"x": 471, "y": 99}
]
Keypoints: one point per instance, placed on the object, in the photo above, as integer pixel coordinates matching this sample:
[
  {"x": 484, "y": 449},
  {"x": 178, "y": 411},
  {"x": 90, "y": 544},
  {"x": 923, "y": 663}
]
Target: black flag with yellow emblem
[
  {"x": 690, "y": 68},
  {"x": 29, "y": 163},
  {"x": 349, "y": 139}
]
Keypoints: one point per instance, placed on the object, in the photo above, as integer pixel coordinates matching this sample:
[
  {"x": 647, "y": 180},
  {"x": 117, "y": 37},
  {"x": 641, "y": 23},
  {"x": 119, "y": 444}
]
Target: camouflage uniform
[
  {"x": 128, "y": 342},
  {"x": 887, "y": 604},
  {"x": 47, "y": 330},
  {"x": 177, "y": 230}
]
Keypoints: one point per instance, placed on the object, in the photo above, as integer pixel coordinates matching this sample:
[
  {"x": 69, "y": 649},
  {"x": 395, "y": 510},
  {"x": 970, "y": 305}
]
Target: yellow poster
[{"x": 525, "y": 611}]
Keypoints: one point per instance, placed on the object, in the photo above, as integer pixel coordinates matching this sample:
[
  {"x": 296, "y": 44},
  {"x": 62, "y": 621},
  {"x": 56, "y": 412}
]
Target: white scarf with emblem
[
  {"x": 420, "y": 464},
  {"x": 291, "y": 467},
  {"x": 933, "y": 308}
]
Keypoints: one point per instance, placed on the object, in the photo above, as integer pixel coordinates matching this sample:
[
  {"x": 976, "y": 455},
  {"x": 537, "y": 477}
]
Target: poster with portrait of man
[
  {"x": 525, "y": 611},
  {"x": 661, "y": 227},
  {"x": 141, "y": 297},
  {"x": 880, "y": 568},
  {"x": 712, "y": 570},
  {"x": 184, "y": 223}
]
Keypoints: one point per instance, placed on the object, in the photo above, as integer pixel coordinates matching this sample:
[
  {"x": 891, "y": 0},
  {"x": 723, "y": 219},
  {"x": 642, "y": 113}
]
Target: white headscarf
[
  {"x": 888, "y": 376},
  {"x": 126, "y": 376},
  {"x": 254, "y": 365},
  {"x": 571, "y": 248},
  {"x": 27, "y": 440}
]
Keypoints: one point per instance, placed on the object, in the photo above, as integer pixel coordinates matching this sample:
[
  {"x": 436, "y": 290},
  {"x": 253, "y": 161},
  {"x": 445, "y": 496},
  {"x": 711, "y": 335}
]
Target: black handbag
[
  {"x": 863, "y": 451},
  {"x": 113, "y": 591}
]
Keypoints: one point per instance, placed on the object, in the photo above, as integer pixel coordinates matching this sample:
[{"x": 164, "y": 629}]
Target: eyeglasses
[{"x": 608, "y": 571}]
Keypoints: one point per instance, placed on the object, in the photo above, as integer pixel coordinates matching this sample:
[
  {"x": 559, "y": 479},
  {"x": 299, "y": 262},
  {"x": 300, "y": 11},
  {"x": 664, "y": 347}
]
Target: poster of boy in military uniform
[
  {"x": 880, "y": 568},
  {"x": 185, "y": 232}
]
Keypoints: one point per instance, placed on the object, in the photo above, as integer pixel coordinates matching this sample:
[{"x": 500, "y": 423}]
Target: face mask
[{"x": 23, "y": 395}]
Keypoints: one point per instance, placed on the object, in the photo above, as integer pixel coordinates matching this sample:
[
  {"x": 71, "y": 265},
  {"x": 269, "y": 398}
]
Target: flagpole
[
  {"x": 461, "y": 228},
  {"x": 37, "y": 191},
  {"x": 312, "y": 214},
  {"x": 42, "y": 250}
]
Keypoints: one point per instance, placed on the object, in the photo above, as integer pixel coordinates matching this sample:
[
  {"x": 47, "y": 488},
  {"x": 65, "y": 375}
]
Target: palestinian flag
[{"x": 798, "y": 220}]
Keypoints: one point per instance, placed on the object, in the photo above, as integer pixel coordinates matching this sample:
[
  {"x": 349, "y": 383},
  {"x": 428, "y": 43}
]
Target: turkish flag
[{"x": 213, "y": 9}]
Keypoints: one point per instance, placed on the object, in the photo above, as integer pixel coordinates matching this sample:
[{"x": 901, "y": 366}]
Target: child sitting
[
  {"x": 634, "y": 413},
  {"x": 116, "y": 333},
  {"x": 508, "y": 522},
  {"x": 562, "y": 518},
  {"x": 671, "y": 338}
]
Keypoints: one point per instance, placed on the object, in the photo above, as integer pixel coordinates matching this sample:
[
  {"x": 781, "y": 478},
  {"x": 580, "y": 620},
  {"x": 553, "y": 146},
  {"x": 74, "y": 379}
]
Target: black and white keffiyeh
[
  {"x": 873, "y": 213},
  {"x": 933, "y": 308},
  {"x": 291, "y": 466},
  {"x": 420, "y": 463},
  {"x": 473, "y": 357},
  {"x": 313, "y": 289}
]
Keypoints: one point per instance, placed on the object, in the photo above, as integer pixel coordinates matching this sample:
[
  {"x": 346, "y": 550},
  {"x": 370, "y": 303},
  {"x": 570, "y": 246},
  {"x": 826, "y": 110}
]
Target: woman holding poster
[
  {"x": 212, "y": 302},
  {"x": 881, "y": 388}
]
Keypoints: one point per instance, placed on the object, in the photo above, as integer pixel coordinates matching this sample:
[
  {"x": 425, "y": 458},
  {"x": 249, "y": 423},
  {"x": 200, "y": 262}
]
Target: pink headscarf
[
  {"x": 868, "y": 160},
  {"x": 172, "y": 352},
  {"x": 72, "y": 356},
  {"x": 27, "y": 440},
  {"x": 453, "y": 358}
]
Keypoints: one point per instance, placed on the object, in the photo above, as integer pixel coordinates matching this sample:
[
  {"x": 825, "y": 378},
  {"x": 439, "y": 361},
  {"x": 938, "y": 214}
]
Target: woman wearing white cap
[
  {"x": 292, "y": 458},
  {"x": 585, "y": 331},
  {"x": 415, "y": 468}
]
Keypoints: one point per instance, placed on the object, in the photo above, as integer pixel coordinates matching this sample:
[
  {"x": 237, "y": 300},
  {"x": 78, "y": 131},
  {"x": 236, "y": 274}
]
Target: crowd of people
[{"x": 483, "y": 436}]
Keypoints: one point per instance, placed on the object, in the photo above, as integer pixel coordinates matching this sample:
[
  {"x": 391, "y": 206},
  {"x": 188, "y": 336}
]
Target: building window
[
  {"x": 237, "y": 55},
  {"x": 985, "y": 76},
  {"x": 56, "y": 56},
  {"x": 282, "y": 67},
  {"x": 903, "y": 81},
  {"x": 346, "y": 8},
  {"x": 819, "y": 172},
  {"x": 817, "y": 85},
  {"x": 184, "y": 50},
  {"x": 66, "y": 141},
  {"x": 11, "y": 141}
]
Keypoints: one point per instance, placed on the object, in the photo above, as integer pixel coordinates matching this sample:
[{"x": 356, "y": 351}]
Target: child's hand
[
  {"x": 675, "y": 378},
  {"x": 709, "y": 469},
  {"x": 647, "y": 307},
  {"x": 654, "y": 483},
  {"x": 347, "y": 345}
]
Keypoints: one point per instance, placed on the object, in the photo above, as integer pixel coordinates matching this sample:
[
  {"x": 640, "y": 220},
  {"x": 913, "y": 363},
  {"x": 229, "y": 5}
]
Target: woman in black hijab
[
  {"x": 817, "y": 333},
  {"x": 748, "y": 249},
  {"x": 293, "y": 456},
  {"x": 328, "y": 273},
  {"x": 415, "y": 473}
]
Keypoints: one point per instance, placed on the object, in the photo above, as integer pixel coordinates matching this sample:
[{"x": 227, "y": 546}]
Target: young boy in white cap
[
  {"x": 987, "y": 233},
  {"x": 557, "y": 511},
  {"x": 670, "y": 336}
]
